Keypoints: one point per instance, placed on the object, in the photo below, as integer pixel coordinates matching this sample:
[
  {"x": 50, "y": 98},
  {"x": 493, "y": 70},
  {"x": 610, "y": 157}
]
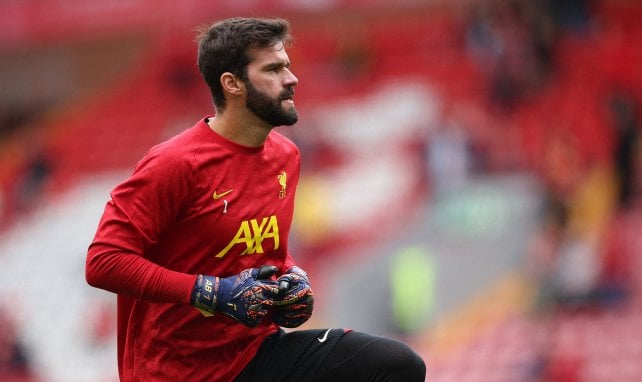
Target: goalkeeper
[{"x": 195, "y": 241}]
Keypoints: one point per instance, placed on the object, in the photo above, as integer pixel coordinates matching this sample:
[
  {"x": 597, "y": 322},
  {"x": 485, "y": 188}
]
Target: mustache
[{"x": 287, "y": 93}]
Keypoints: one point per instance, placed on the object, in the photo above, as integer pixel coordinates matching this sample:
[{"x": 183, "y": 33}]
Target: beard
[{"x": 270, "y": 110}]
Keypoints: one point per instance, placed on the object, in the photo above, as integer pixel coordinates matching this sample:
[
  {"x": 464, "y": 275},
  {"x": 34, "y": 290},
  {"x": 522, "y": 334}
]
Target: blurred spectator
[
  {"x": 354, "y": 57},
  {"x": 180, "y": 74},
  {"x": 565, "y": 254},
  {"x": 14, "y": 360},
  {"x": 448, "y": 156},
  {"x": 31, "y": 181},
  {"x": 576, "y": 274},
  {"x": 576, "y": 265},
  {"x": 542, "y": 252},
  {"x": 512, "y": 42},
  {"x": 572, "y": 15},
  {"x": 23, "y": 184},
  {"x": 413, "y": 273},
  {"x": 622, "y": 244},
  {"x": 626, "y": 126}
]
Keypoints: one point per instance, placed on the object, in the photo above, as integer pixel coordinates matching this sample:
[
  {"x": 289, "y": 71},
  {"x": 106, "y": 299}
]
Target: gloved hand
[
  {"x": 244, "y": 297},
  {"x": 295, "y": 301},
  {"x": 294, "y": 315}
]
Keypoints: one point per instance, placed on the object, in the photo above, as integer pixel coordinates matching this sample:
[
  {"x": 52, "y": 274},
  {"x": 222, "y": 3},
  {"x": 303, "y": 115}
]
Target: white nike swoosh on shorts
[{"x": 323, "y": 338}]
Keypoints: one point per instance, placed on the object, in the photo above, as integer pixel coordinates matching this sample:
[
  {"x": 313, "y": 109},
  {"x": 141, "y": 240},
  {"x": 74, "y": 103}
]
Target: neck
[{"x": 247, "y": 131}]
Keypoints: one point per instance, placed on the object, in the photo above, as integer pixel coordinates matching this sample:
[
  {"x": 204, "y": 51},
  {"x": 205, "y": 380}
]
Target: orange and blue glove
[
  {"x": 246, "y": 297},
  {"x": 295, "y": 301}
]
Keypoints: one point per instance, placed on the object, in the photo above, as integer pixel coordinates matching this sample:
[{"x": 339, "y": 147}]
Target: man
[{"x": 203, "y": 223}]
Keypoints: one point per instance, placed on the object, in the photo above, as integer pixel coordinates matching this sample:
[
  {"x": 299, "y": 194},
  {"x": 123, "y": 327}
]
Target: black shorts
[{"x": 333, "y": 355}]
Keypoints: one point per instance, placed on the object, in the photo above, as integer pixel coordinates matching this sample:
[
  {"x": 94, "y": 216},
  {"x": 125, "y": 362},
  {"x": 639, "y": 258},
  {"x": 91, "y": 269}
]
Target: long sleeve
[
  {"x": 139, "y": 210},
  {"x": 122, "y": 271}
]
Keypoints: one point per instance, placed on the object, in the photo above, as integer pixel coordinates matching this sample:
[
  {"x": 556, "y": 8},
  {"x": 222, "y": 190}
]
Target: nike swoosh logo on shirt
[
  {"x": 324, "y": 337},
  {"x": 216, "y": 196}
]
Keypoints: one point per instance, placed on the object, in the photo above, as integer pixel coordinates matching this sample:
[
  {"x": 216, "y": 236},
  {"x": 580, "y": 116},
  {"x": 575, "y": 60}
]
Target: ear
[{"x": 232, "y": 84}]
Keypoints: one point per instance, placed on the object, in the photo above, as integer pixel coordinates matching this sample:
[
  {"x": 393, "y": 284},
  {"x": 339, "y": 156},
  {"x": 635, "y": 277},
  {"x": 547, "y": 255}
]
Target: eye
[
  {"x": 273, "y": 68},
  {"x": 278, "y": 68}
]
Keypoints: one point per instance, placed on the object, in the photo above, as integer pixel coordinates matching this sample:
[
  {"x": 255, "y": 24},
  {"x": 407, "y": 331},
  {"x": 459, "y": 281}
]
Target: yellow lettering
[
  {"x": 243, "y": 236},
  {"x": 272, "y": 231},
  {"x": 258, "y": 237},
  {"x": 252, "y": 234}
]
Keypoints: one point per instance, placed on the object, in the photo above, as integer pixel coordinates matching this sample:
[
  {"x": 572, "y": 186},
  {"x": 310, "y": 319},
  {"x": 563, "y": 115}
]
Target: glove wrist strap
[{"x": 204, "y": 294}]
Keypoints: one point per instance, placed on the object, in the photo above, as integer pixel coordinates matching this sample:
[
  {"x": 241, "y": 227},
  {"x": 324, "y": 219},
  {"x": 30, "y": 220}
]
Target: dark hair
[{"x": 224, "y": 47}]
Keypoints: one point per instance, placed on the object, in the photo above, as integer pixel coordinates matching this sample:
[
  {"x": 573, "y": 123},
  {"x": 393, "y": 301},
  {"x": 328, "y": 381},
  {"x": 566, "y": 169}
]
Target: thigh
[
  {"x": 291, "y": 356},
  {"x": 360, "y": 356},
  {"x": 333, "y": 355}
]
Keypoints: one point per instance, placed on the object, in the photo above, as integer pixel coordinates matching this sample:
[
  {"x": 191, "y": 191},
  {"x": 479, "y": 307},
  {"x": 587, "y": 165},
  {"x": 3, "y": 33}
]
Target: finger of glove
[
  {"x": 289, "y": 323},
  {"x": 284, "y": 285},
  {"x": 262, "y": 293},
  {"x": 298, "y": 271},
  {"x": 289, "y": 281},
  {"x": 293, "y": 278},
  {"x": 270, "y": 289},
  {"x": 303, "y": 313},
  {"x": 242, "y": 284},
  {"x": 257, "y": 311},
  {"x": 304, "y": 304},
  {"x": 264, "y": 272},
  {"x": 285, "y": 281},
  {"x": 291, "y": 319},
  {"x": 295, "y": 310},
  {"x": 237, "y": 293},
  {"x": 293, "y": 295},
  {"x": 253, "y": 315}
]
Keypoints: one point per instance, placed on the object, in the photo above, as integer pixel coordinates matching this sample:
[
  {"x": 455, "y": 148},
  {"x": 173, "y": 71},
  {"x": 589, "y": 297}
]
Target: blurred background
[{"x": 470, "y": 183}]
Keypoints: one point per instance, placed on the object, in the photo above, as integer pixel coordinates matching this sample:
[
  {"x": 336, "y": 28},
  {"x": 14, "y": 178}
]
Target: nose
[{"x": 290, "y": 78}]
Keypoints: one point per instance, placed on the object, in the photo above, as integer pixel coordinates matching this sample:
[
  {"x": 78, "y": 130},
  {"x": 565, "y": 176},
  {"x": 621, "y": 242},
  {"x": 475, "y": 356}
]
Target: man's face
[
  {"x": 270, "y": 87},
  {"x": 271, "y": 109}
]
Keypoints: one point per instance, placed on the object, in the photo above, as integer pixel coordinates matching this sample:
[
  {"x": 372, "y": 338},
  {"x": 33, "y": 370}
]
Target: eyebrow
[{"x": 274, "y": 65}]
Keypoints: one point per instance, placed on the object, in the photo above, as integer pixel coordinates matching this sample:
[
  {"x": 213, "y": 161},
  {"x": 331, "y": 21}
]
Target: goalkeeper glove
[
  {"x": 294, "y": 315},
  {"x": 243, "y": 297},
  {"x": 296, "y": 300}
]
